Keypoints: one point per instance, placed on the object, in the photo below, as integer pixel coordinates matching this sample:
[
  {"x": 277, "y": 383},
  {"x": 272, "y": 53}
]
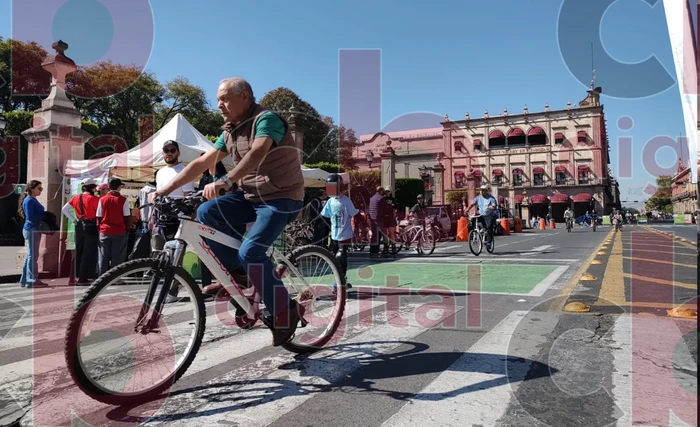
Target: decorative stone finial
[
  {"x": 505, "y": 111},
  {"x": 568, "y": 105},
  {"x": 466, "y": 116},
  {"x": 447, "y": 118},
  {"x": 486, "y": 113},
  {"x": 525, "y": 111},
  {"x": 546, "y": 107},
  {"x": 60, "y": 47}
]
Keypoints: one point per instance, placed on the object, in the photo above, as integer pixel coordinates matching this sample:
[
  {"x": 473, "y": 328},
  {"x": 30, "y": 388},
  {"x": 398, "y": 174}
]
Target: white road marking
[{"x": 474, "y": 390}]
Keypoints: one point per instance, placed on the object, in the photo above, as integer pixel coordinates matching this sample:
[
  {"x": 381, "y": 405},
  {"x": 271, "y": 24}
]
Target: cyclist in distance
[
  {"x": 569, "y": 216},
  {"x": 270, "y": 192},
  {"x": 487, "y": 205}
]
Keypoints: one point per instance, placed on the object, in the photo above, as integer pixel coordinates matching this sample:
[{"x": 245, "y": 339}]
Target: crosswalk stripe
[
  {"x": 452, "y": 398},
  {"x": 315, "y": 373},
  {"x": 46, "y": 373}
]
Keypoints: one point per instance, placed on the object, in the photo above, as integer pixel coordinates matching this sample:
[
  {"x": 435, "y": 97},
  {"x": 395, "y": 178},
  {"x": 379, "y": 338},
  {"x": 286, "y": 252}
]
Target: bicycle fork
[{"x": 171, "y": 256}]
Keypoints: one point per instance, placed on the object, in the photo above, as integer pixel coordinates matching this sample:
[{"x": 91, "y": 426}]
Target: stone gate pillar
[
  {"x": 54, "y": 138},
  {"x": 438, "y": 184},
  {"x": 388, "y": 169}
]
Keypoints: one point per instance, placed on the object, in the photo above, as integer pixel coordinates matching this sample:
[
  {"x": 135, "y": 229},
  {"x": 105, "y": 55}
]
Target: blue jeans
[
  {"x": 230, "y": 214},
  {"x": 29, "y": 268}
]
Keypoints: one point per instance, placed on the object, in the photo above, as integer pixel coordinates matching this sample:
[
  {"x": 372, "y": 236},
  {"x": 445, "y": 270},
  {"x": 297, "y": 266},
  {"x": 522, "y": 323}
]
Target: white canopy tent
[{"x": 139, "y": 163}]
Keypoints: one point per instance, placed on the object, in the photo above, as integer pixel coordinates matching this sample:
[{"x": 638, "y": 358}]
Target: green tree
[
  {"x": 407, "y": 189},
  {"x": 316, "y": 130},
  {"x": 208, "y": 122},
  {"x": 21, "y": 73},
  {"x": 116, "y": 114},
  {"x": 662, "y": 195},
  {"x": 180, "y": 96}
]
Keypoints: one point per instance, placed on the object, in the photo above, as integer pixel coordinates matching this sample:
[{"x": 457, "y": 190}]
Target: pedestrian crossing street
[{"x": 397, "y": 362}]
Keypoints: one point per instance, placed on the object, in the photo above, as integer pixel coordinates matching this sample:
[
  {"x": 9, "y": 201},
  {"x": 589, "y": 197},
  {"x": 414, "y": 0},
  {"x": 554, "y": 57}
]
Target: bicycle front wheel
[
  {"x": 108, "y": 331},
  {"x": 476, "y": 243},
  {"x": 316, "y": 283}
]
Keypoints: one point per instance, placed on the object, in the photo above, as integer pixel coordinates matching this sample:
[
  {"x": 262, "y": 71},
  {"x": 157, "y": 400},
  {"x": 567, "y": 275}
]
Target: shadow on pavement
[{"x": 359, "y": 372}]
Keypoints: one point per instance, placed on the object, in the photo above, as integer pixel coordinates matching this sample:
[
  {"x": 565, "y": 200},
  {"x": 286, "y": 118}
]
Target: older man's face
[{"x": 232, "y": 106}]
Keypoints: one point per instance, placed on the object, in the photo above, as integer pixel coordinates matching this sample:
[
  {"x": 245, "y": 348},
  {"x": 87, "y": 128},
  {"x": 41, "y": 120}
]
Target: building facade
[
  {"x": 684, "y": 195},
  {"x": 557, "y": 158}
]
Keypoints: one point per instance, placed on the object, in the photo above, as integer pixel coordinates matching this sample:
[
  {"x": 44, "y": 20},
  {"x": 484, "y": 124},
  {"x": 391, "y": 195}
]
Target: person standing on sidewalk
[
  {"x": 114, "y": 221},
  {"x": 32, "y": 211},
  {"x": 171, "y": 155},
  {"x": 86, "y": 234},
  {"x": 376, "y": 221}
]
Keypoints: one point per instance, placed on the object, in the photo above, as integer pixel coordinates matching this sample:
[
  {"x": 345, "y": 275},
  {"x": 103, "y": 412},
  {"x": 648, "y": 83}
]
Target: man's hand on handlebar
[{"x": 215, "y": 189}]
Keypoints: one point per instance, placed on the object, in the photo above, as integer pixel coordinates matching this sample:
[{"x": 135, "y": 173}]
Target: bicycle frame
[{"x": 193, "y": 233}]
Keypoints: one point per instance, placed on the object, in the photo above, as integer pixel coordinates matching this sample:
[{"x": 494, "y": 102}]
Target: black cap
[
  {"x": 115, "y": 183},
  {"x": 173, "y": 143},
  {"x": 420, "y": 196},
  {"x": 334, "y": 178}
]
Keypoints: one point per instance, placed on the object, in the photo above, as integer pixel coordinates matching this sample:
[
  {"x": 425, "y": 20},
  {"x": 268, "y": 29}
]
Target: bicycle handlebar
[{"x": 187, "y": 205}]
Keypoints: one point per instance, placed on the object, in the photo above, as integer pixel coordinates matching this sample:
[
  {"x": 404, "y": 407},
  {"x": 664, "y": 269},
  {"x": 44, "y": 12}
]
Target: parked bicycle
[
  {"x": 424, "y": 236},
  {"x": 297, "y": 234},
  {"x": 477, "y": 236},
  {"x": 120, "y": 376}
]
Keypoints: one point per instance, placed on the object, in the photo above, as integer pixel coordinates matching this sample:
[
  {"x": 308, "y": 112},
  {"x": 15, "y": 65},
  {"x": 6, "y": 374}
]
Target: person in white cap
[
  {"x": 487, "y": 206},
  {"x": 84, "y": 217}
]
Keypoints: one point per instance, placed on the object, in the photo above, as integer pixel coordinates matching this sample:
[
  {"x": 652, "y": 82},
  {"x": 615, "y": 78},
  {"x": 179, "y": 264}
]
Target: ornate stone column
[
  {"x": 388, "y": 167},
  {"x": 439, "y": 182},
  {"x": 54, "y": 138},
  {"x": 297, "y": 133}
]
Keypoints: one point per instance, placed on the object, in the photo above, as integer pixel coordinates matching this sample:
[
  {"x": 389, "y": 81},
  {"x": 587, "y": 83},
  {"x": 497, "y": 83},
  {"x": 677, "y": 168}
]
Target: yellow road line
[
  {"x": 612, "y": 290},
  {"x": 560, "y": 300},
  {"x": 686, "y": 244},
  {"x": 661, "y": 281},
  {"x": 666, "y": 305},
  {"x": 675, "y": 253},
  {"x": 661, "y": 262}
]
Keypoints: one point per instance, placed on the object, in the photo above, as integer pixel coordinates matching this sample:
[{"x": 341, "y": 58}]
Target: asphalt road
[{"x": 415, "y": 350}]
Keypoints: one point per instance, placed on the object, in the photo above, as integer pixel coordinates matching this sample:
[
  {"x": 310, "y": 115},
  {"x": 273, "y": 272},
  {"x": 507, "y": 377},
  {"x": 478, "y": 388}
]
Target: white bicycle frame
[{"x": 192, "y": 233}]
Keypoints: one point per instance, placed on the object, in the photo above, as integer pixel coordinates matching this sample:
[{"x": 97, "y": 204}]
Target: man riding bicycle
[
  {"x": 270, "y": 194},
  {"x": 487, "y": 205},
  {"x": 569, "y": 216}
]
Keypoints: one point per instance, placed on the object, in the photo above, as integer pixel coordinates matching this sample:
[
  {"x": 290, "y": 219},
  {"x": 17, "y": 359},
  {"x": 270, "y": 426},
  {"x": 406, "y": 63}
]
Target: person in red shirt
[
  {"x": 84, "y": 206},
  {"x": 114, "y": 221}
]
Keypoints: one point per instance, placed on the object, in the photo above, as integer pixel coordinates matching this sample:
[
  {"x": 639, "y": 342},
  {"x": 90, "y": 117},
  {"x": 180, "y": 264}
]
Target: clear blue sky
[{"x": 439, "y": 57}]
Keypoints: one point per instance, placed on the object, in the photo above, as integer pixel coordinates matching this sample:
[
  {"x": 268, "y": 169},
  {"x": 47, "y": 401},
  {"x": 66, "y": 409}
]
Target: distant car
[{"x": 442, "y": 217}]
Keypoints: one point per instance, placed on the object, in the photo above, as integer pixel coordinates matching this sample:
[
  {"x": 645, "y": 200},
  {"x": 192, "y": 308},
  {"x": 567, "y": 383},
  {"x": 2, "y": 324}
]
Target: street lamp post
[
  {"x": 3, "y": 123},
  {"x": 370, "y": 158}
]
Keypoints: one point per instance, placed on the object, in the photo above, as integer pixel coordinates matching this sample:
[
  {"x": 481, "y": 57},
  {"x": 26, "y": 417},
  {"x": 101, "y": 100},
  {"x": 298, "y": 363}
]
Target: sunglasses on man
[{"x": 169, "y": 150}]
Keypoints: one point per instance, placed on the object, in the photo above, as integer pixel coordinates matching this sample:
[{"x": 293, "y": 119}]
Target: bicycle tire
[
  {"x": 82, "y": 380},
  {"x": 472, "y": 240},
  {"x": 341, "y": 297},
  {"x": 426, "y": 245}
]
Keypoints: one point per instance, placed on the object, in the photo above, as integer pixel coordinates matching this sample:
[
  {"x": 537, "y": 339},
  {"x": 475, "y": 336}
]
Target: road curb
[
  {"x": 10, "y": 278},
  {"x": 690, "y": 244},
  {"x": 564, "y": 296}
]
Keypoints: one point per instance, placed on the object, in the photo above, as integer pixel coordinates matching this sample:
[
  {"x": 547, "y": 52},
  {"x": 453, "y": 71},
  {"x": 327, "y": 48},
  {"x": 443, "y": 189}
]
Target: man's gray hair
[{"x": 238, "y": 85}]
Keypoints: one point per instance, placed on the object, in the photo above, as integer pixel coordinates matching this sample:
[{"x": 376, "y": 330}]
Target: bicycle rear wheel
[
  {"x": 428, "y": 242},
  {"x": 323, "y": 302},
  {"x": 476, "y": 243},
  {"x": 113, "y": 378}
]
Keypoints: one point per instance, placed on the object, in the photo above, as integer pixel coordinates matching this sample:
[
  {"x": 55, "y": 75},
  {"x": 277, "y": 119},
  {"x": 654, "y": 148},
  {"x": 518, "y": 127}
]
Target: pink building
[{"x": 560, "y": 157}]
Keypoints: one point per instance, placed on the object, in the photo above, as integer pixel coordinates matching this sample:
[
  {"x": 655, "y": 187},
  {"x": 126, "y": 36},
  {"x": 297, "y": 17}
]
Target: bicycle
[
  {"x": 569, "y": 224},
  {"x": 477, "y": 237},
  {"x": 150, "y": 322},
  {"x": 423, "y": 235}
]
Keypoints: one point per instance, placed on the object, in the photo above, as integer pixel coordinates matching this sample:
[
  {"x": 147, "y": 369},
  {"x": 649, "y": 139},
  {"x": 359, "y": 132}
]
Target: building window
[
  {"x": 517, "y": 178},
  {"x": 561, "y": 178},
  {"x": 538, "y": 179},
  {"x": 558, "y": 138},
  {"x": 583, "y": 177},
  {"x": 498, "y": 180}
]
